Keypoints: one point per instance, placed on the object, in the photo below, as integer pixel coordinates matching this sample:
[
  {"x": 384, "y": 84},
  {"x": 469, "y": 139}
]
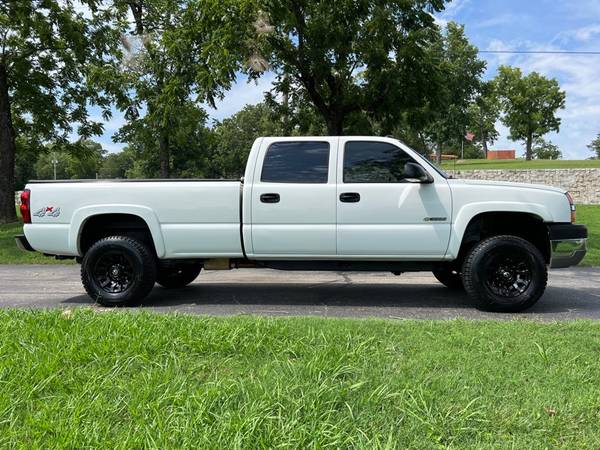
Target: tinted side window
[
  {"x": 374, "y": 162},
  {"x": 296, "y": 162}
]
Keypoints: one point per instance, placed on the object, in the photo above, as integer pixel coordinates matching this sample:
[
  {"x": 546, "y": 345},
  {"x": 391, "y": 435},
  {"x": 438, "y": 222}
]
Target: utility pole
[{"x": 54, "y": 163}]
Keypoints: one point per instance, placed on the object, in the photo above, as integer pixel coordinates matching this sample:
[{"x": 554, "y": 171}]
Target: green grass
[
  {"x": 133, "y": 380},
  {"x": 589, "y": 215},
  {"x": 472, "y": 164},
  {"x": 9, "y": 253}
]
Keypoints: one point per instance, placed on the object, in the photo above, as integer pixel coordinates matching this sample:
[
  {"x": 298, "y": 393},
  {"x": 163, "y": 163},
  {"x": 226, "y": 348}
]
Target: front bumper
[
  {"x": 568, "y": 244},
  {"x": 23, "y": 243}
]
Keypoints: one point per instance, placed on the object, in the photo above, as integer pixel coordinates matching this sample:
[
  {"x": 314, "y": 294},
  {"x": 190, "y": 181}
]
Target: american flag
[{"x": 469, "y": 136}]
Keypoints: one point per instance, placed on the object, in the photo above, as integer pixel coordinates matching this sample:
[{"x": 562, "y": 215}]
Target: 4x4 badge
[{"x": 48, "y": 211}]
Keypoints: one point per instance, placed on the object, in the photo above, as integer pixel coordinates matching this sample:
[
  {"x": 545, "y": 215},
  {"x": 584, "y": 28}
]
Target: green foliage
[
  {"x": 530, "y": 104},
  {"x": 594, "y": 146},
  {"x": 50, "y": 50},
  {"x": 49, "y": 54},
  {"x": 543, "y": 149},
  {"x": 244, "y": 382},
  {"x": 483, "y": 114},
  {"x": 462, "y": 70},
  {"x": 76, "y": 160},
  {"x": 233, "y": 137},
  {"x": 116, "y": 165},
  {"x": 351, "y": 57},
  {"x": 179, "y": 54},
  {"x": 28, "y": 151}
]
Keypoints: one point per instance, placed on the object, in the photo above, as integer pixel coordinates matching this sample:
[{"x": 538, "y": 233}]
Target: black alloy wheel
[
  {"x": 504, "y": 274},
  {"x": 118, "y": 270},
  {"x": 113, "y": 272}
]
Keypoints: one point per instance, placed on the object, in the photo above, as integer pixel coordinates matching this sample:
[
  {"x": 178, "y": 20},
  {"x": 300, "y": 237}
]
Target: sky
[{"x": 571, "y": 25}]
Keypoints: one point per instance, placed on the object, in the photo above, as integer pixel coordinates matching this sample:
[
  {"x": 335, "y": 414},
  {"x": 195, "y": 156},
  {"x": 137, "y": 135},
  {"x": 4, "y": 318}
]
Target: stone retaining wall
[{"x": 583, "y": 184}]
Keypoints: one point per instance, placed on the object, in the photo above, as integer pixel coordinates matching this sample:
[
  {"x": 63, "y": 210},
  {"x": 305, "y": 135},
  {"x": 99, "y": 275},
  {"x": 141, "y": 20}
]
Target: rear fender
[{"x": 81, "y": 215}]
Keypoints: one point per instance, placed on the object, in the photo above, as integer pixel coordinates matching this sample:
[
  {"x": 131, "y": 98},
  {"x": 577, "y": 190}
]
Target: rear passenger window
[
  {"x": 296, "y": 162},
  {"x": 374, "y": 162}
]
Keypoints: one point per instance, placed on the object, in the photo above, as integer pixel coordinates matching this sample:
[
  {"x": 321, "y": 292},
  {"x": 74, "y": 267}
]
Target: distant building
[{"x": 501, "y": 154}]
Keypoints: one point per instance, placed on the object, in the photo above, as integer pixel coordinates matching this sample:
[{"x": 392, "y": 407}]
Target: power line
[{"x": 541, "y": 52}]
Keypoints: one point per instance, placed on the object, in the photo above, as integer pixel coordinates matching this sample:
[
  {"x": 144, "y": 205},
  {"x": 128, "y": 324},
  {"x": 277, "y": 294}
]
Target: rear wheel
[
  {"x": 178, "y": 276},
  {"x": 449, "y": 277},
  {"x": 504, "y": 274},
  {"x": 118, "y": 270}
]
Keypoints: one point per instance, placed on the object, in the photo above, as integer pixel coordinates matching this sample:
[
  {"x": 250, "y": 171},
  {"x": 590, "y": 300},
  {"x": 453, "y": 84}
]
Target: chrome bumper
[{"x": 568, "y": 245}]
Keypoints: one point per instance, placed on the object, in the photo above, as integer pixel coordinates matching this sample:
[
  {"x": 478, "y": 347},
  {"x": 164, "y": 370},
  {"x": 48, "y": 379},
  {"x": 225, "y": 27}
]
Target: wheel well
[
  {"x": 523, "y": 225},
  {"x": 104, "y": 225}
]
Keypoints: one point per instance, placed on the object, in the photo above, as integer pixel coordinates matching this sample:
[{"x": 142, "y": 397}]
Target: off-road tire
[
  {"x": 178, "y": 276},
  {"x": 138, "y": 258},
  {"x": 480, "y": 277}
]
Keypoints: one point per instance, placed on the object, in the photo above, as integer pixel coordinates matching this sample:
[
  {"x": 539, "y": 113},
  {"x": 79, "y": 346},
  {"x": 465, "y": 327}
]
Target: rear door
[
  {"x": 383, "y": 215},
  {"x": 293, "y": 204}
]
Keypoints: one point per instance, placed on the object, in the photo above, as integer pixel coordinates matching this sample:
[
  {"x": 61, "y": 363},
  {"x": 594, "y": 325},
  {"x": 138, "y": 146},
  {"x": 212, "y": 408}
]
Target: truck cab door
[
  {"x": 293, "y": 199},
  {"x": 382, "y": 214}
]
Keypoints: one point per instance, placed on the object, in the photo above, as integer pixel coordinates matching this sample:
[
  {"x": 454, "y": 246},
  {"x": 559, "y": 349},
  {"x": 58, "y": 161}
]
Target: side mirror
[{"x": 414, "y": 173}]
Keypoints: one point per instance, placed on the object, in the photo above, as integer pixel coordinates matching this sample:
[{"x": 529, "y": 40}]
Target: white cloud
[
  {"x": 578, "y": 77},
  {"x": 454, "y": 7}
]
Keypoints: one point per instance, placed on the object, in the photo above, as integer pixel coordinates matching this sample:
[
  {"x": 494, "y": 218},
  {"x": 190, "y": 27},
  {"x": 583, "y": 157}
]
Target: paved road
[{"x": 572, "y": 293}]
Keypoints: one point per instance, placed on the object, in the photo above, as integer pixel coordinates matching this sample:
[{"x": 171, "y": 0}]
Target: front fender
[
  {"x": 81, "y": 215},
  {"x": 466, "y": 213}
]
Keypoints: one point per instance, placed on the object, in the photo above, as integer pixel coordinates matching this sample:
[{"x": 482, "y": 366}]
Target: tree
[
  {"x": 188, "y": 144},
  {"x": 543, "y": 149},
  {"x": 350, "y": 56},
  {"x": 233, "y": 137},
  {"x": 484, "y": 112},
  {"x": 462, "y": 70},
  {"x": 77, "y": 160},
  {"x": 595, "y": 146},
  {"x": 116, "y": 165},
  {"x": 530, "y": 104},
  {"x": 27, "y": 154},
  {"x": 180, "y": 53},
  {"x": 48, "y": 53}
]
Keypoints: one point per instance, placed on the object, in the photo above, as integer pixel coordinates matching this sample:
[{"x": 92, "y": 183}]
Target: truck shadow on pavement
[{"x": 349, "y": 300}]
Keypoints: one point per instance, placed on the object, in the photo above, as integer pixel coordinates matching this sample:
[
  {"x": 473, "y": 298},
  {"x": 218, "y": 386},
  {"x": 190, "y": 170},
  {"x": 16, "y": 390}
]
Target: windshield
[{"x": 437, "y": 168}]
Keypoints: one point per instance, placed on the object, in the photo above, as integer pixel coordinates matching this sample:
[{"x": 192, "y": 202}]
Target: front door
[
  {"x": 293, "y": 199},
  {"x": 381, "y": 214}
]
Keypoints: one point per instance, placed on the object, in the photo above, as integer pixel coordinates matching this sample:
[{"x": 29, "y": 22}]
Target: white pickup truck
[{"x": 310, "y": 203}]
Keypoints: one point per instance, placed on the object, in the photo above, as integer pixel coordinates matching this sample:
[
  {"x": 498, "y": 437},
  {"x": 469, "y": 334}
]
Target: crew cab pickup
[{"x": 310, "y": 203}]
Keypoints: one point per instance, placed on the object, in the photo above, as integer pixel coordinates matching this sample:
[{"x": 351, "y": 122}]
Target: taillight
[
  {"x": 25, "y": 208},
  {"x": 572, "y": 207}
]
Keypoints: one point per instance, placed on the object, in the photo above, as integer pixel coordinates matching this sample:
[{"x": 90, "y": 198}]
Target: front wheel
[
  {"x": 504, "y": 274},
  {"x": 178, "y": 276},
  {"x": 118, "y": 270}
]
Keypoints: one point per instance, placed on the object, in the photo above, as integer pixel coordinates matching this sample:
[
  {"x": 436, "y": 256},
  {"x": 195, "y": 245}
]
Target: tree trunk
[
  {"x": 165, "y": 155},
  {"x": 438, "y": 153},
  {"x": 528, "y": 150},
  {"x": 7, "y": 153},
  {"x": 483, "y": 137},
  {"x": 335, "y": 124}
]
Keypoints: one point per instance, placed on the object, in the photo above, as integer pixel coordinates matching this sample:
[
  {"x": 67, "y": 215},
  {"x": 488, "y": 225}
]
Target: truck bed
[{"x": 192, "y": 217}]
